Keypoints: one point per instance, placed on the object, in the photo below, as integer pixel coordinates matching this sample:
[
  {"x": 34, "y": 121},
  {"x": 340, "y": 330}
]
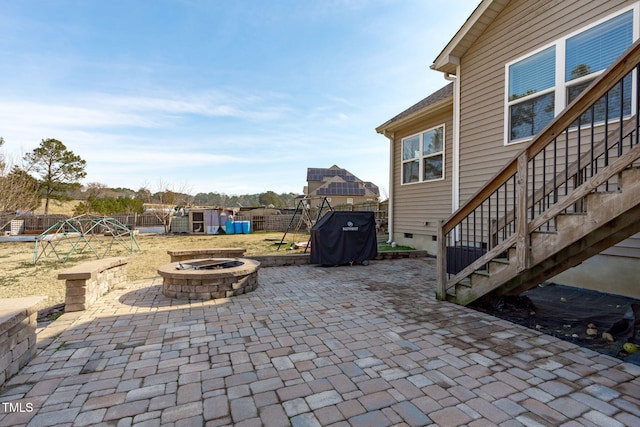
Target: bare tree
[
  {"x": 164, "y": 201},
  {"x": 18, "y": 190},
  {"x": 95, "y": 189}
]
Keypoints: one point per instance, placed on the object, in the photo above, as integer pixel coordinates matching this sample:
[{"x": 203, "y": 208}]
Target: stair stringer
[{"x": 610, "y": 218}]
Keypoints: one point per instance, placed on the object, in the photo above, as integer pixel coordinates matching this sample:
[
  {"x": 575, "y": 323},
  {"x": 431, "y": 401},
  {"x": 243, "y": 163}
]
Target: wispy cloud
[
  {"x": 207, "y": 103},
  {"x": 247, "y": 96},
  {"x": 80, "y": 111}
]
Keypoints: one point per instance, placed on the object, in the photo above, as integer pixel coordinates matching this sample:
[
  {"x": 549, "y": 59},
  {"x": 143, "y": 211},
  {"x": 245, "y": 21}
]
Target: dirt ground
[{"x": 20, "y": 277}]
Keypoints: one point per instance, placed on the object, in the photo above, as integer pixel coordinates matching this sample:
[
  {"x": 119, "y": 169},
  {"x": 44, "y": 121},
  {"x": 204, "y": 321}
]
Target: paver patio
[{"x": 312, "y": 346}]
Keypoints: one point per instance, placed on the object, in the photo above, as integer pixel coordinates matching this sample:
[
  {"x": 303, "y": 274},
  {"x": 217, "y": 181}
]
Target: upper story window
[
  {"x": 542, "y": 84},
  {"x": 423, "y": 156},
  {"x": 531, "y": 93}
]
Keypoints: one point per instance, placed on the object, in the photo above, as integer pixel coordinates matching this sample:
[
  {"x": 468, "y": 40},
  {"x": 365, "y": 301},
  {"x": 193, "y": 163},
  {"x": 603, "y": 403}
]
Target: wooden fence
[
  {"x": 36, "y": 224},
  {"x": 280, "y": 223},
  {"x": 274, "y": 222}
]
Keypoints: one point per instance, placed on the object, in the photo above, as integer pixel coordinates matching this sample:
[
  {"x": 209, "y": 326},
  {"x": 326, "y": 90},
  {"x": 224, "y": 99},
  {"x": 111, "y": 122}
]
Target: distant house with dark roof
[{"x": 339, "y": 186}]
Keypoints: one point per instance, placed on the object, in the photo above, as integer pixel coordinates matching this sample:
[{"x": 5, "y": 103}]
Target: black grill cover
[{"x": 344, "y": 237}]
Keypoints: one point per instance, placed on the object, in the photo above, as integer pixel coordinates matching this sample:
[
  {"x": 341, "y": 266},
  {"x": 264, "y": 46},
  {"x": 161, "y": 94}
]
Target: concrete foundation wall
[
  {"x": 604, "y": 273},
  {"x": 418, "y": 241}
]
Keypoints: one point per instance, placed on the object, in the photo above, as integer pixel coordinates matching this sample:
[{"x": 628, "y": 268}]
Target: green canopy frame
[{"x": 83, "y": 233}]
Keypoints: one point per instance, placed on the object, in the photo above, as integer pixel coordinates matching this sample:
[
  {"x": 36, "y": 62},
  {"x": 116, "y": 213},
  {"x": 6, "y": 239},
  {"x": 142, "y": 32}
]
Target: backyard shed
[{"x": 205, "y": 220}]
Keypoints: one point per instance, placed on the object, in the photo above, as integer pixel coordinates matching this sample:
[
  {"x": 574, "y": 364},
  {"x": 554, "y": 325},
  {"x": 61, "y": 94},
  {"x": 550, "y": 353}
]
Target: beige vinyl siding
[
  {"x": 417, "y": 203},
  {"x": 312, "y": 186},
  {"x": 521, "y": 28}
]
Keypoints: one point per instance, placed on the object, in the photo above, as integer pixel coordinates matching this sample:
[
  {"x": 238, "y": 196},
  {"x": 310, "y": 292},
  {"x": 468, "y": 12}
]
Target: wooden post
[
  {"x": 522, "y": 229},
  {"x": 441, "y": 289}
]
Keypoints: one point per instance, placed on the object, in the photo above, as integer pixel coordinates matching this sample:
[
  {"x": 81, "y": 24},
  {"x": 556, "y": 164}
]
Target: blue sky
[{"x": 228, "y": 96}]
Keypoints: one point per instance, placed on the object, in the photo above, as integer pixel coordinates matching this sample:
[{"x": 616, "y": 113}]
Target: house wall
[
  {"x": 340, "y": 200},
  {"x": 344, "y": 200},
  {"x": 522, "y": 27},
  {"x": 618, "y": 273},
  {"x": 312, "y": 186},
  {"x": 527, "y": 26},
  {"x": 422, "y": 202}
]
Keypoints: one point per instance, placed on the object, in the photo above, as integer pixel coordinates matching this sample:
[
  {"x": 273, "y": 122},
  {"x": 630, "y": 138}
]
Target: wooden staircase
[
  {"x": 570, "y": 194},
  {"x": 609, "y": 219}
]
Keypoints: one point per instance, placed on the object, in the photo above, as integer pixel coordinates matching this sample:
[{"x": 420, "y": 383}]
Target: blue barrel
[
  {"x": 230, "y": 227},
  {"x": 238, "y": 227},
  {"x": 246, "y": 227}
]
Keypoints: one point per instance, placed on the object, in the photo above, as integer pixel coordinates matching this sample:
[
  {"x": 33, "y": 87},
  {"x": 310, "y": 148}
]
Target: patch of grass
[
  {"x": 58, "y": 207},
  {"x": 42, "y": 266},
  {"x": 55, "y": 316},
  {"x": 20, "y": 277},
  {"x": 387, "y": 247}
]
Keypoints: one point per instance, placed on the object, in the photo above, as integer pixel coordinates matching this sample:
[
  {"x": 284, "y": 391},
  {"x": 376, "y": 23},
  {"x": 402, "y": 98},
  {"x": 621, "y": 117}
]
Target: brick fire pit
[{"x": 210, "y": 278}]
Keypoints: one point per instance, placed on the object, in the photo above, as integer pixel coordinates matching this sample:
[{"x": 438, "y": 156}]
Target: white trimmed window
[
  {"x": 540, "y": 85},
  {"x": 423, "y": 156}
]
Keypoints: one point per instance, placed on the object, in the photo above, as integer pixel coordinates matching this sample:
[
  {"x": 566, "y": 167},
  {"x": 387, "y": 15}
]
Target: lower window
[{"x": 423, "y": 156}]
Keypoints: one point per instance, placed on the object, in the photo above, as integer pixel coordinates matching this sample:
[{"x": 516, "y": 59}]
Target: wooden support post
[
  {"x": 522, "y": 229},
  {"x": 441, "y": 290}
]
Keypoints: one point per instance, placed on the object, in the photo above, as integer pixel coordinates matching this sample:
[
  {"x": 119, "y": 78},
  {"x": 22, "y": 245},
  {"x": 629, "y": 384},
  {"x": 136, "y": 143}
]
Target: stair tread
[
  {"x": 465, "y": 282},
  {"x": 571, "y": 229}
]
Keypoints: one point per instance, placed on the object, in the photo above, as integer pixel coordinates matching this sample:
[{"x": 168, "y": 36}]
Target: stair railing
[{"x": 580, "y": 151}]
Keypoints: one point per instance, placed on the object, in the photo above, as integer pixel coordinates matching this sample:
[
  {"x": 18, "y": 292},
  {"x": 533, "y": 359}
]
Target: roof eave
[
  {"x": 393, "y": 125},
  {"x": 448, "y": 65},
  {"x": 448, "y": 60}
]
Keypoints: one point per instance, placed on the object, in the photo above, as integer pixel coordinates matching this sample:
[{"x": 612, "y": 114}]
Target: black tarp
[
  {"x": 342, "y": 237},
  {"x": 566, "y": 312}
]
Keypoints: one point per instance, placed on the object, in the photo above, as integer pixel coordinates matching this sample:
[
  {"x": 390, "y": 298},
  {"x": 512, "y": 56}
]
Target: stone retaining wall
[
  {"x": 90, "y": 280},
  {"x": 301, "y": 259},
  {"x": 189, "y": 254},
  {"x": 281, "y": 260},
  {"x": 18, "y": 321}
]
